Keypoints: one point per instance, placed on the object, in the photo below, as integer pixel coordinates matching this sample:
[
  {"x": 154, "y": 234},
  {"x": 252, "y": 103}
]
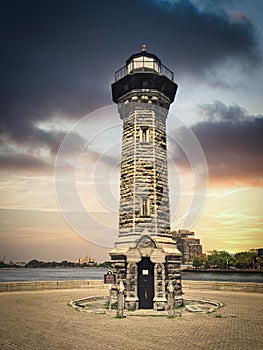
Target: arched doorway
[{"x": 145, "y": 283}]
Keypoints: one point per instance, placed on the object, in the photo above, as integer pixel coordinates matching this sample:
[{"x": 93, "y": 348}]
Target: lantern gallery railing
[{"x": 139, "y": 66}]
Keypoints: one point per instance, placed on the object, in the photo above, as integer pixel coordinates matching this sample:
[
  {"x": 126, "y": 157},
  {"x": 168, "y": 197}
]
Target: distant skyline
[{"x": 57, "y": 68}]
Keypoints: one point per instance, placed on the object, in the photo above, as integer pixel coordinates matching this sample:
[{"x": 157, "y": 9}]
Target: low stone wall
[
  {"x": 49, "y": 285},
  {"x": 82, "y": 284},
  {"x": 224, "y": 286}
]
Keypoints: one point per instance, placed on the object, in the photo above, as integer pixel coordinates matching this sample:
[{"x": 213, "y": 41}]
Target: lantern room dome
[
  {"x": 143, "y": 62},
  {"x": 143, "y": 71}
]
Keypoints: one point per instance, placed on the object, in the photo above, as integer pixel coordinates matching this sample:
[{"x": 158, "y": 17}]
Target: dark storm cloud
[
  {"x": 32, "y": 138},
  {"x": 25, "y": 162},
  {"x": 60, "y": 56},
  {"x": 232, "y": 142},
  {"x": 218, "y": 111}
]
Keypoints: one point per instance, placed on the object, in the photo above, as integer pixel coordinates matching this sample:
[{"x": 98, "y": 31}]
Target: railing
[{"x": 144, "y": 67}]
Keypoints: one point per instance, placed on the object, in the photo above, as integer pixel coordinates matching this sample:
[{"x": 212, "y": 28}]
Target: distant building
[
  {"x": 257, "y": 251},
  {"x": 188, "y": 245},
  {"x": 86, "y": 260},
  {"x": 20, "y": 263}
]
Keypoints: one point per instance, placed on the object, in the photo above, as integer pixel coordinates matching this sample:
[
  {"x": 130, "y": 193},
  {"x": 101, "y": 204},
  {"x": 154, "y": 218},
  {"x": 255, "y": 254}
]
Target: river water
[{"x": 61, "y": 274}]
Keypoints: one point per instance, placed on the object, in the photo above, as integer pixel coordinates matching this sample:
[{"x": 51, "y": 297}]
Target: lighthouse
[{"x": 145, "y": 257}]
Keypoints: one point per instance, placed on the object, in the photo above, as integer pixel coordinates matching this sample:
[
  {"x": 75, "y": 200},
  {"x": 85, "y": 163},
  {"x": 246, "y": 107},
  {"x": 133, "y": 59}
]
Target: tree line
[
  {"x": 53, "y": 264},
  {"x": 213, "y": 260},
  {"x": 224, "y": 260}
]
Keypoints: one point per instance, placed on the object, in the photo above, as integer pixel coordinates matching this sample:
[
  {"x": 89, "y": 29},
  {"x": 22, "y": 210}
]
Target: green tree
[
  {"x": 259, "y": 262},
  {"x": 2, "y": 264},
  {"x": 245, "y": 260},
  {"x": 198, "y": 261},
  {"x": 33, "y": 263},
  {"x": 219, "y": 259},
  {"x": 64, "y": 263}
]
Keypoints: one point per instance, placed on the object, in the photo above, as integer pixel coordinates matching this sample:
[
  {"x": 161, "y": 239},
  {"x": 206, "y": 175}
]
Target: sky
[{"x": 60, "y": 146}]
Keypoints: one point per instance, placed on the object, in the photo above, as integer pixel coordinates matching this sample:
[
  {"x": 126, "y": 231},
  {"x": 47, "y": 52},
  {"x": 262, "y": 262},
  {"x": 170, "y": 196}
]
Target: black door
[{"x": 145, "y": 283}]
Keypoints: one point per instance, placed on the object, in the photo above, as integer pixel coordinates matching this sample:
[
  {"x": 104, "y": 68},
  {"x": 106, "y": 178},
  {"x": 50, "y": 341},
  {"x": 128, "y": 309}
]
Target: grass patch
[
  {"x": 179, "y": 307},
  {"x": 132, "y": 308},
  {"x": 106, "y": 305}
]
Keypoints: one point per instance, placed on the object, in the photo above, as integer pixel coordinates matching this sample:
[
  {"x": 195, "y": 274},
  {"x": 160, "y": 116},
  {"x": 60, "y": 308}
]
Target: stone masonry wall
[{"x": 144, "y": 177}]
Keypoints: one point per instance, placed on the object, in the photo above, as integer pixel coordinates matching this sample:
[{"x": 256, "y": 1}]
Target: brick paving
[{"x": 43, "y": 320}]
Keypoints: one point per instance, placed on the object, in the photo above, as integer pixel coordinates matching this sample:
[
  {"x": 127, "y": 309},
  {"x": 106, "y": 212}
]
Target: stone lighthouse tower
[{"x": 145, "y": 256}]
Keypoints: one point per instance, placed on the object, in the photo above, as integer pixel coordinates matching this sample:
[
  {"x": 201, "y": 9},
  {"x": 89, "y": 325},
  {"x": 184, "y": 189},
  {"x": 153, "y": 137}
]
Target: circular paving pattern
[{"x": 100, "y": 305}]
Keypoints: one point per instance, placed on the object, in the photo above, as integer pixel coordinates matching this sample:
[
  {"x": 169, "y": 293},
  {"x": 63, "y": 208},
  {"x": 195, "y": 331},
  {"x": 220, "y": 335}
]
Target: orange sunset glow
[{"x": 60, "y": 148}]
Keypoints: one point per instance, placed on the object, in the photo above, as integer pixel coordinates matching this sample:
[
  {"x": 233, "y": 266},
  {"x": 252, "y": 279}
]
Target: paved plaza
[{"x": 43, "y": 320}]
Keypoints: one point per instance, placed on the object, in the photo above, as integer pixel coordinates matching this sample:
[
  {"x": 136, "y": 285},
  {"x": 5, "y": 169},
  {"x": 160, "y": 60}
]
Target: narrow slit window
[
  {"x": 144, "y": 134},
  {"x": 145, "y": 207}
]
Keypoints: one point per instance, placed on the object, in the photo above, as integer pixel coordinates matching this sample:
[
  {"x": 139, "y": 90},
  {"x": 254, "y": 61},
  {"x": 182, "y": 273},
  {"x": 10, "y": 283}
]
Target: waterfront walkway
[{"x": 43, "y": 320}]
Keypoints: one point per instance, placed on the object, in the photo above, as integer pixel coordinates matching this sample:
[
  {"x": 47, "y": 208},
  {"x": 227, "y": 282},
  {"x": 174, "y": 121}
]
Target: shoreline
[
  {"x": 245, "y": 271},
  {"x": 108, "y": 268}
]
